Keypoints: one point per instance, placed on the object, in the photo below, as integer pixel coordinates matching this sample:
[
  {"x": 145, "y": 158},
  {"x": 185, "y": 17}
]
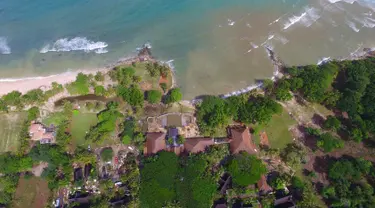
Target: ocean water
[{"x": 217, "y": 46}]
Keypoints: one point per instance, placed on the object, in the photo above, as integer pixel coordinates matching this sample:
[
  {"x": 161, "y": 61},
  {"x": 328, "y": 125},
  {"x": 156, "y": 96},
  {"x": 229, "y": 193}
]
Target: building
[
  {"x": 285, "y": 202},
  {"x": 240, "y": 140},
  {"x": 196, "y": 145},
  {"x": 263, "y": 186},
  {"x": 41, "y": 133},
  {"x": 155, "y": 142}
]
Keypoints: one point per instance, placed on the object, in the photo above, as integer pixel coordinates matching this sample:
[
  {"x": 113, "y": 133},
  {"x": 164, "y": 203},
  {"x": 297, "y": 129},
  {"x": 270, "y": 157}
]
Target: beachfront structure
[
  {"x": 41, "y": 133},
  {"x": 239, "y": 139}
]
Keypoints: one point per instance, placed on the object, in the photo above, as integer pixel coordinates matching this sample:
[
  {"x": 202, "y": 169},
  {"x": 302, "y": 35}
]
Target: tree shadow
[
  {"x": 308, "y": 141},
  {"x": 318, "y": 119},
  {"x": 322, "y": 163}
]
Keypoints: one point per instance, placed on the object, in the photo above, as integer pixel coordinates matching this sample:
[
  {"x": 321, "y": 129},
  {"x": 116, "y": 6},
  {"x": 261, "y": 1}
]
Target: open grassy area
[
  {"x": 55, "y": 118},
  {"x": 10, "y": 126},
  {"x": 31, "y": 193},
  {"x": 81, "y": 123},
  {"x": 277, "y": 130}
]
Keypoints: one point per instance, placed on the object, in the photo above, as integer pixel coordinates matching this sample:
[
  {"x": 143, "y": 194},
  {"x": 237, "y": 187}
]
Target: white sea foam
[
  {"x": 75, "y": 44},
  {"x": 36, "y": 78},
  {"x": 282, "y": 39},
  {"x": 352, "y": 25},
  {"x": 346, "y": 1},
  {"x": 307, "y": 18},
  {"x": 248, "y": 25},
  {"x": 4, "y": 47},
  {"x": 255, "y": 46},
  {"x": 323, "y": 60},
  {"x": 231, "y": 22},
  {"x": 275, "y": 21},
  {"x": 366, "y": 22}
]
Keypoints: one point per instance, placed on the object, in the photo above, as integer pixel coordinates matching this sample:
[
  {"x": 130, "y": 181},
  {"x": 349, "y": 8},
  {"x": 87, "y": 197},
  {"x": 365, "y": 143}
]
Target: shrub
[
  {"x": 174, "y": 95},
  {"x": 154, "y": 96}
]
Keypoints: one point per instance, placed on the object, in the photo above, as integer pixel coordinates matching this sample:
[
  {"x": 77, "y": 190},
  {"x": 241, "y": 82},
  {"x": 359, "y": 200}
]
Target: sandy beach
[{"x": 24, "y": 85}]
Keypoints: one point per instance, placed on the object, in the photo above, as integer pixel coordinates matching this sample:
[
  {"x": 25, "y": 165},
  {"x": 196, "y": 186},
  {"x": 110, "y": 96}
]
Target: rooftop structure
[
  {"x": 155, "y": 142},
  {"x": 285, "y": 202},
  {"x": 241, "y": 141},
  {"x": 263, "y": 186},
  {"x": 41, "y": 133},
  {"x": 196, "y": 145}
]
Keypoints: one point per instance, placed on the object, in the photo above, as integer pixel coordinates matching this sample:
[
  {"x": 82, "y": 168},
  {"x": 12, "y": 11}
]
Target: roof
[
  {"x": 241, "y": 141},
  {"x": 155, "y": 142},
  {"x": 195, "y": 145},
  {"x": 263, "y": 185},
  {"x": 285, "y": 202},
  {"x": 221, "y": 206},
  {"x": 38, "y": 132}
]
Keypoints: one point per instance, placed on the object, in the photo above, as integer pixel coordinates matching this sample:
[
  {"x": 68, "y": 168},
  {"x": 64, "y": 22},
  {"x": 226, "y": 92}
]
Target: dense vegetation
[
  {"x": 184, "y": 182},
  {"x": 245, "y": 169},
  {"x": 106, "y": 126},
  {"x": 350, "y": 183},
  {"x": 33, "y": 97},
  {"x": 347, "y": 86},
  {"x": 215, "y": 113}
]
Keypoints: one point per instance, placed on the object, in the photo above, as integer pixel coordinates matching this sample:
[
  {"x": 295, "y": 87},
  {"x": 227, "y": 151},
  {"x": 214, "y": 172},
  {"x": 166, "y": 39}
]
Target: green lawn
[
  {"x": 55, "y": 118},
  {"x": 277, "y": 130},
  {"x": 10, "y": 127},
  {"x": 80, "y": 124}
]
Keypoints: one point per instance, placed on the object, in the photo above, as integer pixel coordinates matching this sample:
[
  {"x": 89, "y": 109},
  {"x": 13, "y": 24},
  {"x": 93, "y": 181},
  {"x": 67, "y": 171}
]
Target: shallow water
[{"x": 217, "y": 46}]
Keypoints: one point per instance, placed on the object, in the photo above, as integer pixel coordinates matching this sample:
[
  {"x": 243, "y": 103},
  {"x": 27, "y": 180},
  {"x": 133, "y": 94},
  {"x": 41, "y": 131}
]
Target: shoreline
[{"x": 26, "y": 84}]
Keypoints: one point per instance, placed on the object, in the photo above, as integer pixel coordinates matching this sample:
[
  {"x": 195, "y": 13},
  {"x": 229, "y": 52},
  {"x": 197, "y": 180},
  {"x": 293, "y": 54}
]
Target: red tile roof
[
  {"x": 241, "y": 141},
  {"x": 195, "y": 145},
  {"x": 263, "y": 185},
  {"x": 155, "y": 142}
]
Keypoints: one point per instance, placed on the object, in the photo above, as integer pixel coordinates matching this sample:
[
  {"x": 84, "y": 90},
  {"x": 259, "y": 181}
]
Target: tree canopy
[
  {"x": 245, "y": 169},
  {"x": 154, "y": 96},
  {"x": 106, "y": 123},
  {"x": 174, "y": 95}
]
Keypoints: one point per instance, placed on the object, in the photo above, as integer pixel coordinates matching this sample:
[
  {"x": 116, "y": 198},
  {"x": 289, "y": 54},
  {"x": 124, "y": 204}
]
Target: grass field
[
  {"x": 80, "y": 124},
  {"x": 10, "y": 126},
  {"x": 31, "y": 193},
  {"x": 277, "y": 130},
  {"x": 55, "y": 118}
]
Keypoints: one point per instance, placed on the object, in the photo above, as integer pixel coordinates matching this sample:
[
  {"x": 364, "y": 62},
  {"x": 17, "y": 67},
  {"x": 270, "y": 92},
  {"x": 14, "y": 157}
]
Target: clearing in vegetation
[
  {"x": 81, "y": 123},
  {"x": 10, "y": 127},
  {"x": 55, "y": 118},
  {"x": 32, "y": 193},
  {"x": 277, "y": 130}
]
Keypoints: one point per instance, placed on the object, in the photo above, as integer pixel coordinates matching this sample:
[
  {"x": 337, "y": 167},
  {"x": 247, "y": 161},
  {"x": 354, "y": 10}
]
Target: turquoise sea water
[{"x": 217, "y": 45}]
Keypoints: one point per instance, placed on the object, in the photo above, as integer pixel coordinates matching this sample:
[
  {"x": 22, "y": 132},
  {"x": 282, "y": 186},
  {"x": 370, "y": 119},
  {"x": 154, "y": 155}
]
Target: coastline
[{"x": 26, "y": 84}]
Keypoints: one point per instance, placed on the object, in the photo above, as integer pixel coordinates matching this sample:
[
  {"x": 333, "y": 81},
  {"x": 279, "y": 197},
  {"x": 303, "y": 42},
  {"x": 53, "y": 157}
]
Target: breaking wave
[
  {"x": 4, "y": 47},
  {"x": 307, "y": 18},
  {"x": 323, "y": 60},
  {"x": 75, "y": 44},
  {"x": 352, "y": 25}
]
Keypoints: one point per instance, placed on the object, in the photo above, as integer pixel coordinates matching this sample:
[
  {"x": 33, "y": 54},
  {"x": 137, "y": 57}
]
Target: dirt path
[
  {"x": 264, "y": 139},
  {"x": 38, "y": 170}
]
